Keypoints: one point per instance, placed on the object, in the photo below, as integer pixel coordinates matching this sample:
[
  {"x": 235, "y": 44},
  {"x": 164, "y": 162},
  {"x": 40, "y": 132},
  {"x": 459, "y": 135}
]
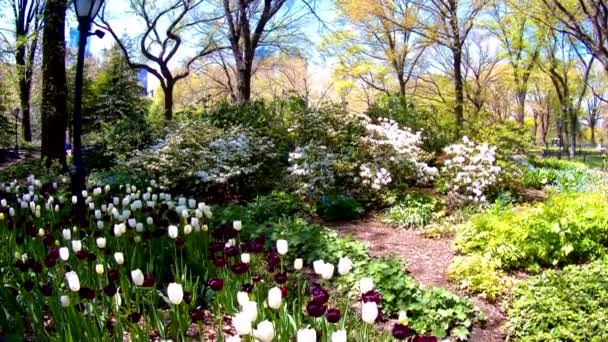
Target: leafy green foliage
[
  {"x": 277, "y": 204},
  {"x": 37, "y": 168},
  {"x": 477, "y": 273},
  {"x": 563, "y": 176},
  {"x": 565, "y": 305},
  {"x": 127, "y": 135},
  {"x": 337, "y": 207},
  {"x": 412, "y": 211},
  {"x": 435, "y": 311}
]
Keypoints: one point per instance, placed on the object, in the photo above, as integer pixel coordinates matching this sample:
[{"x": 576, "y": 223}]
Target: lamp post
[
  {"x": 86, "y": 10},
  {"x": 16, "y": 114}
]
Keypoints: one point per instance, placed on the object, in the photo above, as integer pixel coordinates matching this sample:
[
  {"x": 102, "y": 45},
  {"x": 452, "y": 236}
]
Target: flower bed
[{"x": 145, "y": 264}]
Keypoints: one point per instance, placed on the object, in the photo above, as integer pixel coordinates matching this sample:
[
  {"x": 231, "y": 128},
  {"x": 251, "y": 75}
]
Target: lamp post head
[{"x": 87, "y": 9}]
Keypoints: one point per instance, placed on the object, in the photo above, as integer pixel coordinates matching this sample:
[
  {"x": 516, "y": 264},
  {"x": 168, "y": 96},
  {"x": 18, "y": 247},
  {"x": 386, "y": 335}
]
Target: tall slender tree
[
  {"x": 27, "y": 22},
  {"x": 54, "y": 88}
]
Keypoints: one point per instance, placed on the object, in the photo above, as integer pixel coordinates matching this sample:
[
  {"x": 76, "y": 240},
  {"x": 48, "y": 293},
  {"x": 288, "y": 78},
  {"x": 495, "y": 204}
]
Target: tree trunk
[
  {"x": 244, "y": 85},
  {"x": 592, "y": 127},
  {"x": 168, "y": 93},
  {"x": 54, "y": 86},
  {"x": 459, "y": 91},
  {"x": 572, "y": 133},
  {"x": 24, "y": 96},
  {"x": 520, "y": 97}
]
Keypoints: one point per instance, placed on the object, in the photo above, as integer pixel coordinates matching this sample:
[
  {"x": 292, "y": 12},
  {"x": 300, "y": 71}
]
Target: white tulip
[
  {"x": 237, "y": 225},
  {"x": 101, "y": 243},
  {"x": 84, "y": 194},
  {"x": 175, "y": 293},
  {"x": 132, "y": 222},
  {"x": 187, "y": 229},
  {"x": 344, "y": 266},
  {"x": 173, "y": 232},
  {"x": 242, "y": 324},
  {"x": 139, "y": 227},
  {"x": 138, "y": 277},
  {"x": 366, "y": 285},
  {"x": 369, "y": 312},
  {"x": 74, "y": 199},
  {"x": 73, "y": 281},
  {"x": 149, "y": 221},
  {"x": 65, "y": 301},
  {"x": 275, "y": 297},
  {"x": 327, "y": 271},
  {"x": 192, "y": 203},
  {"x": 250, "y": 308},
  {"x": 66, "y": 234},
  {"x": 185, "y": 213},
  {"x": 318, "y": 266},
  {"x": 307, "y": 335},
  {"x": 236, "y": 338},
  {"x": 64, "y": 253},
  {"x": 11, "y": 211},
  {"x": 264, "y": 332},
  {"x": 246, "y": 258},
  {"x": 119, "y": 257},
  {"x": 41, "y": 232},
  {"x": 76, "y": 246},
  {"x": 298, "y": 264},
  {"x": 339, "y": 336},
  {"x": 99, "y": 269},
  {"x": 282, "y": 247},
  {"x": 242, "y": 297},
  {"x": 100, "y": 224}
]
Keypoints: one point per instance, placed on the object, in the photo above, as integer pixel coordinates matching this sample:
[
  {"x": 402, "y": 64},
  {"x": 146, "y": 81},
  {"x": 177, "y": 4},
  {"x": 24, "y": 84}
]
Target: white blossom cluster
[
  {"x": 471, "y": 171},
  {"x": 312, "y": 168},
  {"x": 374, "y": 177}
]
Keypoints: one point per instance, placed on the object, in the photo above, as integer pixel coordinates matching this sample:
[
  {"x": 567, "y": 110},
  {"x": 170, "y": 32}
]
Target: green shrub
[
  {"x": 413, "y": 211},
  {"x": 337, "y": 207},
  {"x": 566, "y": 305},
  {"x": 479, "y": 274},
  {"x": 277, "y": 204},
  {"x": 562, "y": 176},
  {"x": 34, "y": 167},
  {"x": 568, "y": 228}
]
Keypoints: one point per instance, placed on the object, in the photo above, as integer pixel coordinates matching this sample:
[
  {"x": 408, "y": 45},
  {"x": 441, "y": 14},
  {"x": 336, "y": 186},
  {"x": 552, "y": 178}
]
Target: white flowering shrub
[
  {"x": 311, "y": 168},
  {"x": 198, "y": 157},
  {"x": 470, "y": 171}
]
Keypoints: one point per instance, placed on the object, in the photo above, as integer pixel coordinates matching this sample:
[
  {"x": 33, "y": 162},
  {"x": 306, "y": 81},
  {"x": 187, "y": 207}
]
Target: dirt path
[{"x": 428, "y": 261}]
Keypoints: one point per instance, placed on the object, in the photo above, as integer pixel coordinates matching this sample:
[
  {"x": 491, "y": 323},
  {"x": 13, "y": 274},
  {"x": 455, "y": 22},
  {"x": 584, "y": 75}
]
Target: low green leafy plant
[
  {"x": 338, "y": 207},
  {"x": 479, "y": 274},
  {"x": 413, "y": 211},
  {"x": 561, "y": 305},
  {"x": 278, "y": 204}
]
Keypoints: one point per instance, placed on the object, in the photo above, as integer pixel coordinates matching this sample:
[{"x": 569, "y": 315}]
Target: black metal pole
[{"x": 77, "y": 171}]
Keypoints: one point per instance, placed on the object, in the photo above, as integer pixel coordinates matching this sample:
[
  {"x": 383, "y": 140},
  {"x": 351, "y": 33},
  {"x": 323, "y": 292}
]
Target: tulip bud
[
  {"x": 119, "y": 257},
  {"x": 246, "y": 258},
  {"x": 242, "y": 324},
  {"x": 306, "y": 335},
  {"x": 41, "y": 232},
  {"x": 139, "y": 227},
  {"x": 344, "y": 266},
  {"x": 298, "y": 264},
  {"x": 318, "y": 266},
  {"x": 173, "y": 232},
  {"x": 175, "y": 293},
  {"x": 65, "y": 301},
  {"x": 99, "y": 269},
  {"x": 66, "y": 234},
  {"x": 149, "y": 221},
  {"x": 64, "y": 253},
  {"x": 73, "y": 281},
  {"x": 100, "y": 224},
  {"x": 138, "y": 277},
  {"x": 1, "y": 216},
  {"x": 338, "y": 336},
  {"x": 275, "y": 297},
  {"x": 101, "y": 243},
  {"x": 366, "y": 285},
  {"x": 187, "y": 229},
  {"x": 74, "y": 199},
  {"x": 242, "y": 298},
  {"x": 282, "y": 247},
  {"x": 264, "y": 332},
  {"x": 369, "y": 312},
  {"x": 76, "y": 246},
  {"x": 237, "y": 225},
  {"x": 327, "y": 271}
]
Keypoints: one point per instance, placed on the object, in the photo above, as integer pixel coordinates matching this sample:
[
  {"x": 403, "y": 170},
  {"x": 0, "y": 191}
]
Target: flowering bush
[
  {"x": 199, "y": 158},
  {"x": 470, "y": 172}
]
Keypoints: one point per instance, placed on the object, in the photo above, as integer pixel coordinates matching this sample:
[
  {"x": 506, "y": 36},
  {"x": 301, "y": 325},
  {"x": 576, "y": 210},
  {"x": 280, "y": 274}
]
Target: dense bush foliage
[
  {"x": 337, "y": 207},
  {"x": 411, "y": 211},
  {"x": 560, "y": 175},
  {"x": 562, "y": 305},
  {"x": 480, "y": 274}
]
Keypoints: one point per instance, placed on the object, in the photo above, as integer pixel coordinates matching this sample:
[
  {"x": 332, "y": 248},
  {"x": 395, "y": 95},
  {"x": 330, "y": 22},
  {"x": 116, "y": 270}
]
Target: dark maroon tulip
[
  {"x": 135, "y": 317},
  {"x": 173, "y": 217},
  {"x": 110, "y": 290},
  {"x": 273, "y": 259},
  {"x": 315, "y": 309},
  {"x": 22, "y": 266},
  {"x": 247, "y": 287},
  {"x": 372, "y": 296},
  {"x": 320, "y": 295},
  {"x": 48, "y": 239},
  {"x": 31, "y": 230},
  {"x": 50, "y": 261},
  {"x": 220, "y": 231},
  {"x": 333, "y": 315},
  {"x": 257, "y": 247},
  {"x": 216, "y": 247},
  {"x": 231, "y": 251},
  {"x": 313, "y": 287},
  {"x": 180, "y": 242},
  {"x": 46, "y": 290},
  {"x": 425, "y": 339},
  {"x": 86, "y": 293},
  {"x": 82, "y": 254},
  {"x": 231, "y": 233},
  {"x": 220, "y": 263},
  {"x": 245, "y": 246},
  {"x": 36, "y": 267},
  {"x": 197, "y": 315},
  {"x": 216, "y": 284},
  {"x": 92, "y": 257},
  {"x": 283, "y": 292},
  {"x": 112, "y": 275},
  {"x": 401, "y": 332},
  {"x": 256, "y": 278},
  {"x": 280, "y": 278},
  {"x": 187, "y": 297},
  {"x": 28, "y": 285},
  {"x": 240, "y": 268},
  {"x": 148, "y": 281},
  {"x": 54, "y": 253}
]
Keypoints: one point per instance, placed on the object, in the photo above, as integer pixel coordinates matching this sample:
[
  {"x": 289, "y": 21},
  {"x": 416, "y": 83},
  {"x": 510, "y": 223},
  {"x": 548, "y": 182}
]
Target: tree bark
[
  {"x": 25, "y": 86},
  {"x": 520, "y": 98},
  {"x": 244, "y": 85},
  {"x": 168, "y": 94},
  {"x": 54, "y": 86},
  {"x": 458, "y": 90}
]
